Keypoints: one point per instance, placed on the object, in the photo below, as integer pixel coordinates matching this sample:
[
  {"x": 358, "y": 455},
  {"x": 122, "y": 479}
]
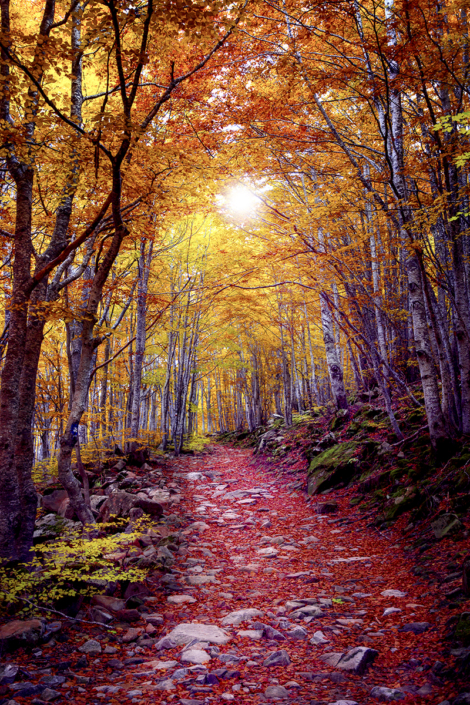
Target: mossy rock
[
  {"x": 354, "y": 501},
  {"x": 462, "y": 629},
  {"x": 336, "y": 466},
  {"x": 339, "y": 420},
  {"x": 402, "y": 505}
]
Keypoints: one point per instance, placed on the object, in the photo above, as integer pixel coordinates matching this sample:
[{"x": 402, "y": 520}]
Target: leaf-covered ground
[{"x": 263, "y": 544}]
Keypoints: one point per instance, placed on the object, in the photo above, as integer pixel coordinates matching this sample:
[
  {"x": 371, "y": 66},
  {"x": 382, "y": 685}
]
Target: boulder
[
  {"x": 336, "y": 465},
  {"x": 118, "y": 504},
  {"x": 185, "y": 633},
  {"x": 109, "y": 603},
  {"x": 327, "y": 507},
  {"x": 445, "y": 525},
  {"x": 196, "y": 656},
  {"x": 90, "y": 647},
  {"x": 149, "y": 506},
  {"x": 57, "y": 502},
  {"x": 21, "y": 633},
  {"x": 276, "y": 692}
]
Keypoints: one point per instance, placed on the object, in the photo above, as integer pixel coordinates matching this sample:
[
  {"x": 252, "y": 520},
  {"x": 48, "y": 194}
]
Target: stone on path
[
  {"x": 197, "y": 656},
  {"x": 90, "y": 647},
  {"x": 240, "y": 616},
  {"x": 307, "y": 611},
  {"x": 415, "y": 627},
  {"x": 277, "y": 692},
  {"x": 357, "y": 660},
  {"x": 180, "y": 599},
  {"x": 393, "y": 593},
  {"x": 318, "y": 638},
  {"x": 277, "y": 658},
  {"x": 185, "y": 633},
  {"x": 387, "y": 694},
  {"x": 254, "y": 634}
]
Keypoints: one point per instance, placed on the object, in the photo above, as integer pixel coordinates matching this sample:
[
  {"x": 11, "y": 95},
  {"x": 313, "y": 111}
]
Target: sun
[{"x": 241, "y": 201}]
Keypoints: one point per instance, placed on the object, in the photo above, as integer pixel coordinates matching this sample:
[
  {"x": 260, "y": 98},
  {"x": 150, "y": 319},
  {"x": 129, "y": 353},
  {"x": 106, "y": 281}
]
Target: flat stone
[
  {"x": 307, "y": 611},
  {"x": 277, "y": 658},
  {"x": 197, "y": 656},
  {"x": 165, "y": 685},
  {"x": 298, "y": 633},
  {"x": 185, "y": 633},
  {"x": 48, "y": 695},
  {"x": 160, "y": 665},
  {"x": 180, "y": 599},
  {"x": 390, "y": 610},
  {"x": 332, "y": 659},
  {"x": 90, "y": 647},
  {"x": 239, "y": 616},
  {"x": 345, "y": 702},
  {"x": 415, "y": 627},
  {"x": 254, "y": 634},
  {"x": 8, "y": 673},
  {"x": 393, "y": 593},
  {"x": 200, "y": 579},
  {"x": 384, "y": 694},
  {"x": 131, "y": 635},
  {"x": 276, "y": 692},
  {"x": 268, "y": 552}
]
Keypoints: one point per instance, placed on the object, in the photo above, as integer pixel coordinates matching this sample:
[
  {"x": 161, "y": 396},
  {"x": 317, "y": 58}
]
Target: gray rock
[
  {"x": 8, "y": 673},
  {"x": 415, "y": 627},
  {"x": 53, "y": 681},
  {"x": 184, "y": 633},
  {"x": 357, "y": 660},
  {"x": 462, "y": 699},
  {"x": 393, "y": 593},
  {"x": 228, "y": 658},
  {"x": 276, "y": 692},
  {"x": 298, "y": 633},
  {"x": 268, "y": 631},
  {"x": 386, "y": 695},
  {"x": 48, "y": 694},
  {"x": 240, "y": 616},
  {"x": 90, "y": 647},
  {"x": 196, "y": 656},
  {"x": 318, "y": 638},
  {"x": 445, "y": 525},
  {"x": 165, "y": 643},
  {"x": 345, "y": 702},
  {"x": 332, "y": 659},
  {"x": 307, "y": 611},
  {"x": 277, "y": 658},
  {"x": 165, "y": 685}
]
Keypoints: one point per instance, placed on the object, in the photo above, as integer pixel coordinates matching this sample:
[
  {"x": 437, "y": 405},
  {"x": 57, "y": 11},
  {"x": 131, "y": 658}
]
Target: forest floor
[{"x": 318, "y": 586}]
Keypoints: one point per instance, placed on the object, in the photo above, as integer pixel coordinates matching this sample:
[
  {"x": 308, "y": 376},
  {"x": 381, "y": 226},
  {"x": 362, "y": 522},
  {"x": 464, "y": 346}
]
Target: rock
[
  {"x": 357, "y": 660},
  {"x": 327, "y": 507},
  {"x": 466, "y": 575},
  {"x": 462, "y": 629},
  {"x": 298, "y": 633},
  {"x": 99, "y": 614},
  {"x": 387, "y": 694},
  {"x": 21, "y": 633},
  {"x": 109, "y": 603},
  {"x": 318, "y": 638},
  {"x": 180, "y": 599},
  {"x": 26, "y": 689},
  {"x": 226, "y": 696},
  {"x": 277, "y": 658},
  {"x": 129, "y": 616},
  {"x": 165, "y": 643},
  {"x": 154, "y": 619},
  {"x": 8, "y": 673},
  {"x": 345, "y": 702},
  {"x": 131, "y": 635},
  {"x": 332, "y": 659},
  {"x": 161, "y": 665},
  {"x": 336, "y": 465},
  {"x": 240, "y": 616},
  {"x": 201, "y": 579},
  {"x": 165, "y": 685},
  {"x": 276, "y": 692},
  {"x": 415, "y": 627},
  {"x": 90, "y": 647},
  {"x": 425, "y": 690},
  {"x": 149, "y": 506},
  {"x": 53, "y": 681},
  {"x": 195, "y": 656},
  {"x": 136, "y": 590},
  {"x": 48, "y": 695},
  {"x": 57, "y": 502},
  {"x": 118, "y": 504},
  {"x": 393, "y": 593},
  {"x": 462, "y": 699},
  {"x": 198, "y": 526},
  {"x": 445, "y": 525},
  {"x": 185, "y": 633},
  {"x": 390, "y": 610},
  {"x": 254, "y": 634},
  {"x": 307, "y": 611}
]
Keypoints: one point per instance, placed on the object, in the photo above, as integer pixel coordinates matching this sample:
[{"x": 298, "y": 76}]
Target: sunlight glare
[{"x": 242, "y": 201}]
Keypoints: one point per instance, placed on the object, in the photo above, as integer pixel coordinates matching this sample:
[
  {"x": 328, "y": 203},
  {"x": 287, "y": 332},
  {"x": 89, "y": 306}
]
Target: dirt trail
[{"x": 335, "y": 609}]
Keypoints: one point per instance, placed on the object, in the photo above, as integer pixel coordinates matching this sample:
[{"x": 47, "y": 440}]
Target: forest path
[{"x": 319, "y": 585}]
